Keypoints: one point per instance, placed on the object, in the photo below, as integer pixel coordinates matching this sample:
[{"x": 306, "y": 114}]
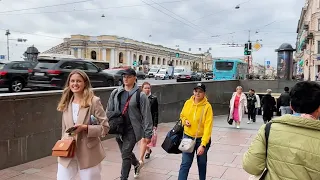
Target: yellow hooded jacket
[{"x": 192, "y": 112}]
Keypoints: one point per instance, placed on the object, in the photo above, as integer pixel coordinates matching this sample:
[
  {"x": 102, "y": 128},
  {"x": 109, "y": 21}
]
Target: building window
[
  {"x": 120, "y": 57},
  {"x": 318, "y": 24},
  {"x": 318, "y": 47},
  {"x": 93, "y": 55}
]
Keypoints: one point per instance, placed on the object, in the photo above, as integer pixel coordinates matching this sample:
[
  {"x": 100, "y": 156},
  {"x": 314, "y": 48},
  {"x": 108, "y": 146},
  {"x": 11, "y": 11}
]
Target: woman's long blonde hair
[{"x": 67, "y": 93}]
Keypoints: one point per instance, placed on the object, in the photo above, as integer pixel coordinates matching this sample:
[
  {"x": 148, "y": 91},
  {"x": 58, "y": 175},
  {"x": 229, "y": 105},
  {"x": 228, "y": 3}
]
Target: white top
[{"x": 75, "y": 112}]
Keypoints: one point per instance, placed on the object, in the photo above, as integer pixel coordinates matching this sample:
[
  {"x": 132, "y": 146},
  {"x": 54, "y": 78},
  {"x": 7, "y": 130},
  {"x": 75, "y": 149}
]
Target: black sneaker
[
  {"x": 137, "y": 169},
  {"x": 148, "y": 154}
]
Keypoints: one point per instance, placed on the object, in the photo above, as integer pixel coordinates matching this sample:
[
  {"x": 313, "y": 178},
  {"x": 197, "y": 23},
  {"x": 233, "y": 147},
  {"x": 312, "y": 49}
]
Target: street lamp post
[
  {"x": 7, "y": 34},
  {"x": 19, "y": 40}
]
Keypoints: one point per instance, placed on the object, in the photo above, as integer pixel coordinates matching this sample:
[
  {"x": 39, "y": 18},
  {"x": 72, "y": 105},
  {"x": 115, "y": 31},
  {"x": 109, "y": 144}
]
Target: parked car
[
  {"x": 53, "y": 73},
  {"x": 188, "y": 76},
  {"x": 162, "y": 74},
  {"x": 117, "y": 75},
  {"x": 14, "y": 74},
  {"x": 209, "y": 75},
  {"x": 141, "y": 75}
]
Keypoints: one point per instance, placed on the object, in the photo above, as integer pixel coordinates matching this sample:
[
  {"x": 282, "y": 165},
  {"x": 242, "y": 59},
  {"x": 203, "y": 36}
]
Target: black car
[
  {"x": 188, "y": 76},
  {"x": 14, "y": 74},
  {"x": 53, "y": 74},
  {"x": 208, "y": 76},
  {"x": 117, "y": 75}
]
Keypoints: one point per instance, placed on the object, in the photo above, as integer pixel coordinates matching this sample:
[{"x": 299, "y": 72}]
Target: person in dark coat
[
  {"x": 146, "y": 88},
  {"x": 268, "y": 105}
]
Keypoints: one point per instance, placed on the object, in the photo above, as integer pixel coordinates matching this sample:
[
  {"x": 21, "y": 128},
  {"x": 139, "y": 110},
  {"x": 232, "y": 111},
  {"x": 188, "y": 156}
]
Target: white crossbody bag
[{"x": 187, "y": 144}]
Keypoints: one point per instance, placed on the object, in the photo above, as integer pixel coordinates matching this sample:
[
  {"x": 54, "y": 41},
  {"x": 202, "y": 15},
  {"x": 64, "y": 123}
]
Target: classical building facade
[
  {"x": 307, "y": 54},
  {"x": 118, "y": 51}
]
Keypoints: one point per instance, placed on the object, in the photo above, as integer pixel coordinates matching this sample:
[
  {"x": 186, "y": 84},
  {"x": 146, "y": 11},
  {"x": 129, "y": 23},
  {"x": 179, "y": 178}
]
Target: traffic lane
[{"x": 152, "y": 81}]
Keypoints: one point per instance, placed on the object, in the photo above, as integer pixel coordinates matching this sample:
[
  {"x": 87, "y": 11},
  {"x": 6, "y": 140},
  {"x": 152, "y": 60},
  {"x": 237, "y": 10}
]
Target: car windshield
[
  {"x": 46, "y": 64},
  {"x": 153, "y": 70},
  {"x": 162, "y": 72},
  {"x": 178, "y": 70},
  {"x": 2, "y": 65}
]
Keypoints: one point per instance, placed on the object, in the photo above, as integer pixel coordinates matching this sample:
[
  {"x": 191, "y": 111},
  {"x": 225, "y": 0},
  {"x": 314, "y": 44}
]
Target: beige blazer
[{"x": 89, "y": 151}]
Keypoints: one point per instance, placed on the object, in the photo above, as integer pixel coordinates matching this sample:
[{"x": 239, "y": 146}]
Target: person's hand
[
  {"x": 147, "y": 141},
  {"x": 80, "y": 128},
  {"x": 188, "y": 123},
  {"x": 200, "y": 150}
]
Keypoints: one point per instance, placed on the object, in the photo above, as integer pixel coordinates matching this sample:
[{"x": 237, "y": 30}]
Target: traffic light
[
  {"x": 250, "y": 46},
  {"x": 134, "y": 63},
  {"x": 247, "y": 49}
]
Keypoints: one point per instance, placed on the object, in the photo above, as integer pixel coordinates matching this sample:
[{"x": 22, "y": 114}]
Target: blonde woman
[
  {"x": 83, "y": 111},
  {"x": 238, "y": 105}
]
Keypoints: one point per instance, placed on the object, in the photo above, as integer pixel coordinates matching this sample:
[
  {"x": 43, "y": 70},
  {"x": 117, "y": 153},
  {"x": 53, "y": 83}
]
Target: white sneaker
[
  {"x": 249, "y": 122},
  {"x": 137, "y": 169},
  {"x": 238, "y": 126}
]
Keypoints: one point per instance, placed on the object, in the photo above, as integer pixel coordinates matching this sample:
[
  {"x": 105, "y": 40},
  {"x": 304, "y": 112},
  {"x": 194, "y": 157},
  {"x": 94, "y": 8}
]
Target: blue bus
[{"x": 229, "y": 69}]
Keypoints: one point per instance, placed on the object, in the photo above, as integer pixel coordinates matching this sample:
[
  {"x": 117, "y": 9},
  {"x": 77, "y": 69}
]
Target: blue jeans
[
  {"x": 187, "y": 159},
  {"x": 285, "y": 110}
]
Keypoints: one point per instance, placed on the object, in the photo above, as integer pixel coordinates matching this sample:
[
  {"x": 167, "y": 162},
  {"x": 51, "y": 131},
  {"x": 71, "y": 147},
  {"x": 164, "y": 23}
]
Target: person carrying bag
[
  {"x": 197, "y": 119},
  {"x": 187, "y": 144}
]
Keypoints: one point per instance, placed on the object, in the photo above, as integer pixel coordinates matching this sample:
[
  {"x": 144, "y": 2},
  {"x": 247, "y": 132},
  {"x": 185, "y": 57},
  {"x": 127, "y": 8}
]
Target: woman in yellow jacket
[{"x": 195, "y": 109}]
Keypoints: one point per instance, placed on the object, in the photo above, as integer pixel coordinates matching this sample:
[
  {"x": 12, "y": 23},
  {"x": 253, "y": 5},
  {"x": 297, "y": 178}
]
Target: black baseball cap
[
  {"x": 129, "y": 71},
  {"x": 200, "y": 86}
]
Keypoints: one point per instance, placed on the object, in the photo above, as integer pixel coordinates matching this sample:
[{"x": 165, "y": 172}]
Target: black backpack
[{"x": 116, "y": 121}]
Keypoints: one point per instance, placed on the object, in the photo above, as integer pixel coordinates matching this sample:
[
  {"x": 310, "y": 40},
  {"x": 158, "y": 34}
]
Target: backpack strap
[
  {"x": 267, "y": 133},
  {"x": 138, "y": 98}
]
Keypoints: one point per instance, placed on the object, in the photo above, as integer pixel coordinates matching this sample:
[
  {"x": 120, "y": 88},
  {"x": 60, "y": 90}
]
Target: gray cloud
[{"x": 136, "y": 20}]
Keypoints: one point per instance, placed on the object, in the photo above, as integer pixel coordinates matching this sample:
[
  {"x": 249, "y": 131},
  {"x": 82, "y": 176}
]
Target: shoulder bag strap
[
  {"x": 200, "y": 122},
  {"x": 267, "y": 133},
  {"x": 127, "y": 104}
]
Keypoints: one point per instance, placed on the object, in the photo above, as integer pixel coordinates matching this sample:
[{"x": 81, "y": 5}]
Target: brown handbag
[{"x": 64, "y": 148}]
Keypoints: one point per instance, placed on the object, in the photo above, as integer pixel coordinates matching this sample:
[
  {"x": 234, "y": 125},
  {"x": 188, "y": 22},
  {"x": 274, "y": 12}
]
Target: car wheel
[
  {"x": 16, "y": 85},
  {"x": 119, "y": 83},
  {"x": 110, "y": 83}
]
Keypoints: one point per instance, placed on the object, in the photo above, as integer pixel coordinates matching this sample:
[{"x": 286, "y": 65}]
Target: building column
[
  {"x": 80, "y": 53},
  {"x": 72, "y": 51},
  {"x": 104, "y": 54},
  {"x": 129, "y": 59},
  {"x": 112, "y": 58}
]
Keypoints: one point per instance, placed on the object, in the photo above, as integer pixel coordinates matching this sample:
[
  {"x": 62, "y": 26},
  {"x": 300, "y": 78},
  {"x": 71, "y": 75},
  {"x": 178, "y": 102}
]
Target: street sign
[
  {"x": 257, "y": 46},
  {"x": 2, "y": 57},
  {"x": 268, "y": 62},
  {"x": 177, "y": 55}
]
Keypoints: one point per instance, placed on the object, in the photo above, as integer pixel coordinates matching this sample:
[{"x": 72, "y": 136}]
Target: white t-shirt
[{"x": 75, "y": 112}]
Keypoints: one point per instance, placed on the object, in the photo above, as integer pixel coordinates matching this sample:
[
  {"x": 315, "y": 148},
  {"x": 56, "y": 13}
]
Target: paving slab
[{"x": 224, "y": 157}]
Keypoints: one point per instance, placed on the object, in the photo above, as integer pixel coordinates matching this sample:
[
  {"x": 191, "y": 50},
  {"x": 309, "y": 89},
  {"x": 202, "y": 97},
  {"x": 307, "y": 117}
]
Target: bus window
[{"x": 224, "y": 66}]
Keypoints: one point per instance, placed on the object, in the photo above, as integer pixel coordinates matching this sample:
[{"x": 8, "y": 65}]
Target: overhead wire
[
  {"x": 169, "y": 15},
  {"x": 94, "y": 9},
  {"x": 48, "y": 6}
]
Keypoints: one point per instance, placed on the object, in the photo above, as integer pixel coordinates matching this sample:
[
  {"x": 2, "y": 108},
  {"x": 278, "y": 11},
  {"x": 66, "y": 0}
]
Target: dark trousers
[
  {"x": 252, "y": 113},
  {"x": 187, "y": 159},
  {"x": 126, "y": 144}
]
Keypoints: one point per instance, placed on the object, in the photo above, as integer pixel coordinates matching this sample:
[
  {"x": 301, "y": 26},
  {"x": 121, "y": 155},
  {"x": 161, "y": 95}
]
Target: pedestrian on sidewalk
[
  {"x": 268, "y": 105},
  {"x": 238, "y": 105},
  {"x": 292, "y": 149},
  {"x": 77, "y": 104},
  {"x": 284, "y": 102},
  {"x": 137, "y": 120},
  {"x": 251, "y": 100},
  {"x": 197, "y": 109},
  {"x": 258, "y": 102},
  {"x": 146, "y": 88}
]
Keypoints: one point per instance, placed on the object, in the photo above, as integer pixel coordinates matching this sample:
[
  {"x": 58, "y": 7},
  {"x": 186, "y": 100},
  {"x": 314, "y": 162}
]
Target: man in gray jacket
[{"x": 138, "y": 120}]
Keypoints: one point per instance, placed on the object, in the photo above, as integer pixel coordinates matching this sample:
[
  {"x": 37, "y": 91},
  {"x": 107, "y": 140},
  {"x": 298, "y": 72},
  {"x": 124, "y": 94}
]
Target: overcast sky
[{"x": 188, "y": 23}]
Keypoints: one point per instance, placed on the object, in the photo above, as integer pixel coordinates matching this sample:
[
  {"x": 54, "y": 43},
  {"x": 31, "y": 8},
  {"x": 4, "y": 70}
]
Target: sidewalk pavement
[{"x": 224, "y": 157}]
